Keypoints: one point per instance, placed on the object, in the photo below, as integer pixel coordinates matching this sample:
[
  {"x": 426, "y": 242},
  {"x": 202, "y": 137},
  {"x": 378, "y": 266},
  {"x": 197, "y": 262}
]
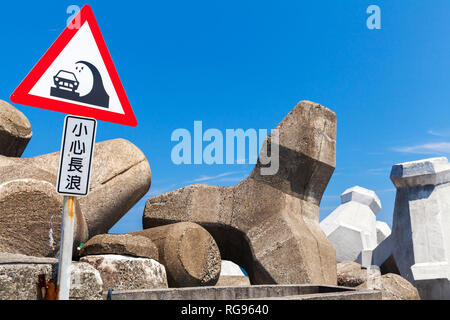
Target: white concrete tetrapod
[
  {"x": 351, "y": 227},
  {"x": 383, "y": 231},
  {"x": 419, "y": 246}
]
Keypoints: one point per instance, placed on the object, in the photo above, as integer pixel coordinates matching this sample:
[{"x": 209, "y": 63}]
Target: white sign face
[
  {"x": 79, "y": 75},
  {"x": 75, "y": 161}
]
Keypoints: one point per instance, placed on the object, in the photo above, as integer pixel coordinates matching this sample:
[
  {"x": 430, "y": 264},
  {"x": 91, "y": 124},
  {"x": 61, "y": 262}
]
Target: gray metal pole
[{"x": 66, "y": 247}]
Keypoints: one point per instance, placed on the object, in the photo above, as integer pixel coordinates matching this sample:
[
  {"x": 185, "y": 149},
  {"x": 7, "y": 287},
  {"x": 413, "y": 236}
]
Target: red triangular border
[{"x": 21, "y": 94}]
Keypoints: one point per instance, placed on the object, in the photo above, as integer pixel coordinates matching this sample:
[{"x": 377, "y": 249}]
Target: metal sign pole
[
  {"x": 75, "y": 164},
  {"x": 66, "y": 247}
]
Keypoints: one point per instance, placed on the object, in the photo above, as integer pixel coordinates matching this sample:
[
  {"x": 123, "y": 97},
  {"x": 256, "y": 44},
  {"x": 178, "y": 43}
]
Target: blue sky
[{"x": 245, "y": 64}]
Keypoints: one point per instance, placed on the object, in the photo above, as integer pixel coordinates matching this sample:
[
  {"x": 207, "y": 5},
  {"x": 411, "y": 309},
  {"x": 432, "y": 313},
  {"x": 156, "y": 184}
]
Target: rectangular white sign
[{"x": 75, "y": 161}]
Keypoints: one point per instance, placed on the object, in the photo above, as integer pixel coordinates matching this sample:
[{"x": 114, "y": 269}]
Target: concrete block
[
  {"x": 188, "y": 251},
  {"x": 231, "y": 275},
  {"x": 15, "y": 130},
  {"x": 420, "y": 241},
  {"x": 30, "y": 208},
  {"x": 383, "y": 231},
  {"x": 128, "y": 273},
  {"x": 269, "y": 224},
  {"x": 230, "y": 268},
  {"x": 265, "y": 292},
  {"x": 19, "y": 277},
  {"x": 351, "y": 228}
]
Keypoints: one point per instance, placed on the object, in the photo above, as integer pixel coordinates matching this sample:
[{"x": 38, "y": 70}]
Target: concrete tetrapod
[
  {"x": 188, "y": 252},
  {"x": 30, "y": 212},
  {"x": 231, "y": 275},
  {"x": 30, "y": 208},
  {"x": 120, "y": 177},
  {"x": 419, "y": 247},
  {"x": 120, "y": 244},
  {"x": 269, "y": 224},
  {"x": 351, "y": 227},
  {"x": 15, "y": 130},
  {"x": 383, "y": 231}
]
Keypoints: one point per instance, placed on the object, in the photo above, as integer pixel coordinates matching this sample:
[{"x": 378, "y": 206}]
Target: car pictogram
[
  {"x": 66, "y": 85},
  {"x": 66, "y": 80}
]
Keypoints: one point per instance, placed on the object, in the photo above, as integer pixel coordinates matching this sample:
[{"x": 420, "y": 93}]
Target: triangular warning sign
[{"x": 77, "y": 76}]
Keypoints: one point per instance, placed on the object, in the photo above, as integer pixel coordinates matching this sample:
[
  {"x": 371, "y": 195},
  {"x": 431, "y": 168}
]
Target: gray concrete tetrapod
[
  {"x": 30, "y": 208},
  {"x": 269, "y": 224},
  {"x": 15, "y": 130},
  {"x": 188, "y": 252}
]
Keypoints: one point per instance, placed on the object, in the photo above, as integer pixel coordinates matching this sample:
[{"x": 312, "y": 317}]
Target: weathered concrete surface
[
  {"x": 18, "y": 281},
  {"x": 30, "y": 211},
  {"x": 231, "y": 275},
  {"x": 188, "y": 252},
  {"x": 266, "y": 292},
  {"x": 233, "y": 281},
  {"x": 419, "y": 246},
  {"x": 392, "y": 287},
  {"x": 128, "y": 273},
  {"x": 85, "y": 283},
  {"x": 268, "y": 224},
  {"x": 121, "y": 176},
  {"x": 120, "y": 244},
  {"x": 351, "y": 227},
  {"x": 30, "y": 208},
  {"x": 351, "y": 274},
  {"x": 347, "y": 295},
  {"x": 15, "y": 130},
  {"x": 6, "y": 258},
  {"x": 433, "y": 289},
  {"x": 19, "y": 277},
  {"x": 383, "y": 231}
]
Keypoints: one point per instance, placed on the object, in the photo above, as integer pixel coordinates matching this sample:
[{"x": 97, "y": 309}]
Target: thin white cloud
[
  {"x": 434, "y": 133},
  {"x": 223, "y": 177},
  {"x": 428, "y": 148},
  {"x": 209, "y": 178},
  {"x": 444, "y": 133}
]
